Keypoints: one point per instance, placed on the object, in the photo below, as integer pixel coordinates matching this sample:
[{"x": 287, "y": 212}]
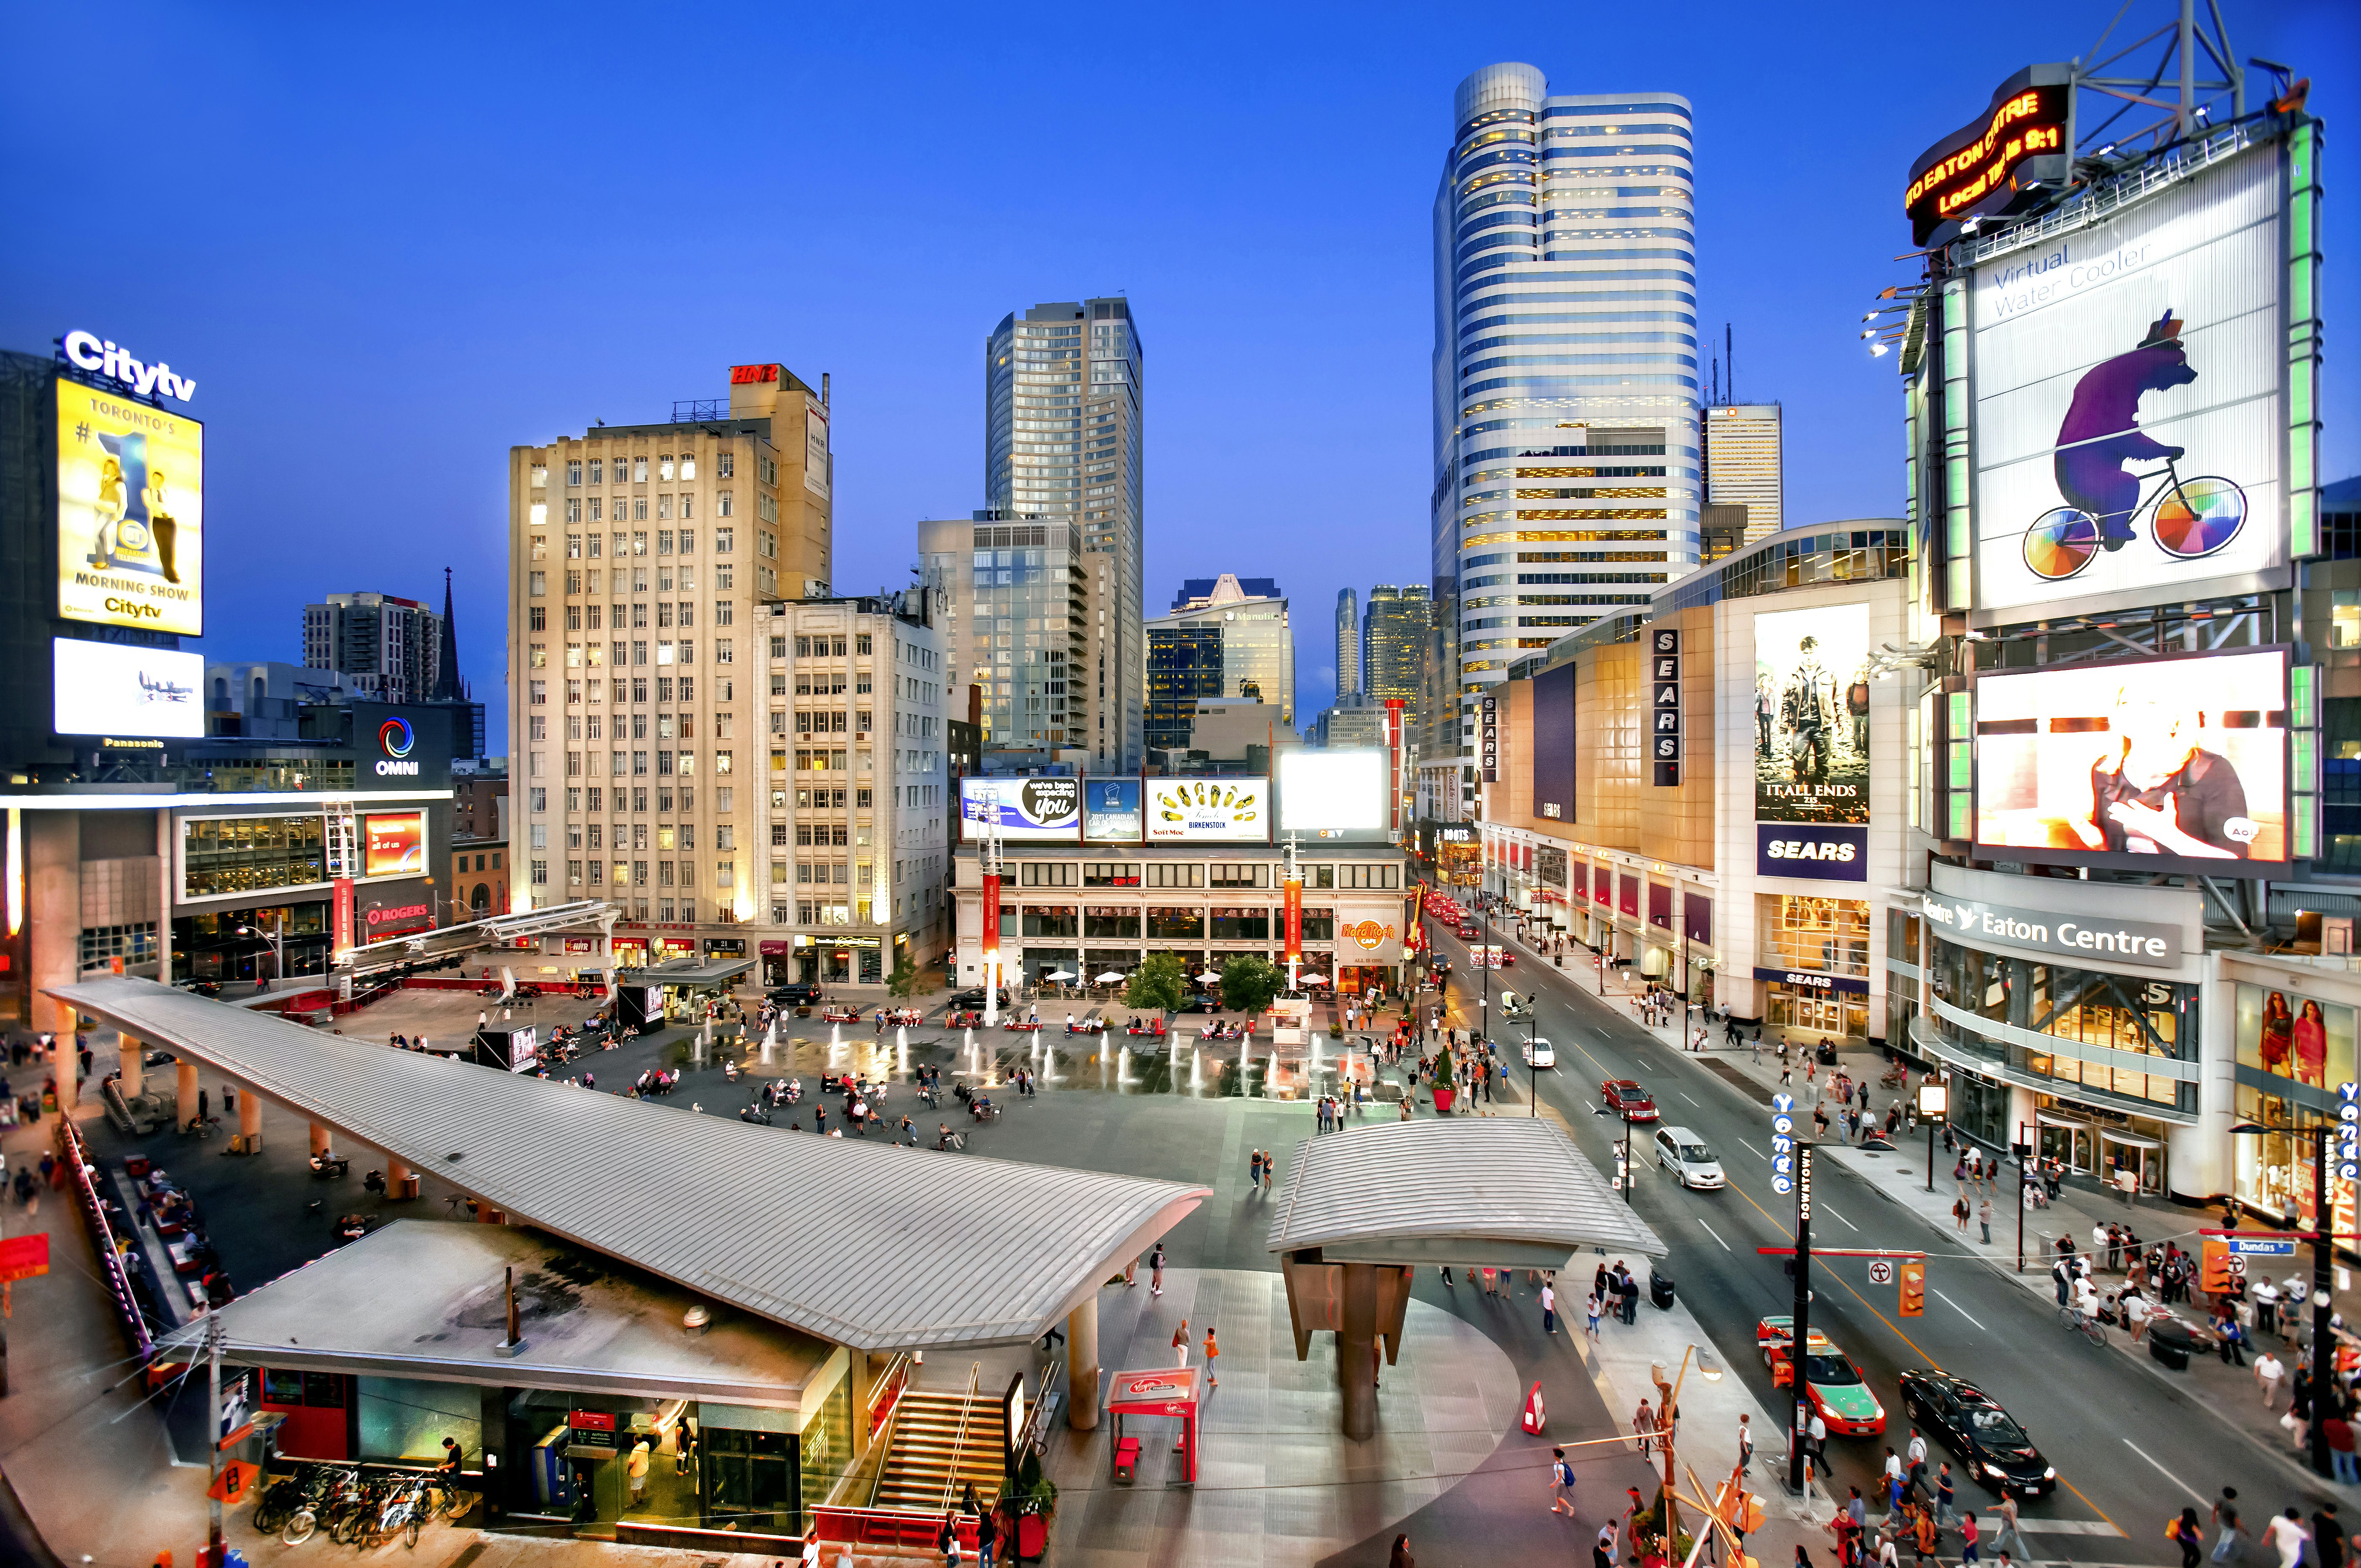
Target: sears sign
[{"x": 1805, "y": 850}]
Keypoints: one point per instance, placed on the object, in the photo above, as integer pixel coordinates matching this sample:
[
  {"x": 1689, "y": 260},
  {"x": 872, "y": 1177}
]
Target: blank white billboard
[
  {"x": 107, "y": 688},
  {"x": 1333, "y": 792},
  {"x": 2129, "y": 418}
]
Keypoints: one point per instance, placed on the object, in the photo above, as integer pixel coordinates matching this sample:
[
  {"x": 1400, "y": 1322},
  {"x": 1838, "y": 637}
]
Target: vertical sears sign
[
  {"x": 1489, "y": 736},
  {"x": 1664, "y": 705}
]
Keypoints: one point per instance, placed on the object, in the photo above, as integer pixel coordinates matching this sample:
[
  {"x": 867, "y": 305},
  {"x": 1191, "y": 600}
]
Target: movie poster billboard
[
  {"x": 131, "y": 512},
  {"x": 2127, "y": 416},
  {"x": 1811, "y": 715},
  {"x": 2176, "y": 764}
]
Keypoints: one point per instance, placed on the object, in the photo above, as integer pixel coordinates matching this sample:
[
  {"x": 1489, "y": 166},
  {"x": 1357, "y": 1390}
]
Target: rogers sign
[{"x": 403, "y": 912}]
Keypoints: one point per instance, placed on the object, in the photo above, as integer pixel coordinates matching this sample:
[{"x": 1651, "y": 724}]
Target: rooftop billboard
[
  {"x": 1333, "y": 793},
  {"x": 131, "y": 512},
  {"x": 2129, "y": 418}
]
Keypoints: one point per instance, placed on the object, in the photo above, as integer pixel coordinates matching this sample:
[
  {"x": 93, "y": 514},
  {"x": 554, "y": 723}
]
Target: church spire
[{"x": 447, "y": 674}]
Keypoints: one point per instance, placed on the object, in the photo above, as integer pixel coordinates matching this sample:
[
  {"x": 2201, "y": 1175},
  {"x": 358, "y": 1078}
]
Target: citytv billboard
[
  {"x": 2128, "y": 412},
  {"x": 131, "y": 512}
]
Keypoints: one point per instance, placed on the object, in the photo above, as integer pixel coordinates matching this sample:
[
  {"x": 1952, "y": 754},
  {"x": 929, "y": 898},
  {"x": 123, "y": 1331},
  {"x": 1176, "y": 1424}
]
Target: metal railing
[
  {"x": 2102, "y": 203},
  {"x": 958, "y": 1435}
]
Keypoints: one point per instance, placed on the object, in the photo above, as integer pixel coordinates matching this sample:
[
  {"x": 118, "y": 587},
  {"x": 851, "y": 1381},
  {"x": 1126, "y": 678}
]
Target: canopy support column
[
  {"x": 1356, "y": 1351},
  {"x": 1083, "y": 1366},
  {"x": 185, "y": 1111}
]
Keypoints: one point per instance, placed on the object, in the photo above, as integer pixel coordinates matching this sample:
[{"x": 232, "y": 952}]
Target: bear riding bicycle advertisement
[{"x": 2127, "y": 386}]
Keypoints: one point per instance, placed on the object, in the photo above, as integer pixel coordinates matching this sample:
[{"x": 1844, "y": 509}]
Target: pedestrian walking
[
  {"x": 1155, "y": 1270},
  {"x": 2268, "y": 1370},
  {"x": 1549, "y": 1309},
  {"x": 1212, "y": 1351},
  {"x": 1960, "y": 1213},
  {"x": 2288, "y": 1535},
  {"x": 2189, "y": 1535},
  {"x": 1644, "y": 1426},
  {"x": 1967, "y": 1537},
  {"x": 1561, "y": 1483},
  {"x": 2225, "y": 1519},
  {"x": 1590, "y": 1309},
  {"x": 1984, "y": 1218},
  {"x": 1745, "y": 1442},
  {"x": 1945, "y": 1496},
  {"x": 2327, "y": 1537},
  {"x": 636, "y": 1467},
  {"x": 1180, "y": 1343},
  {"x": 2007, "y": 1528}
]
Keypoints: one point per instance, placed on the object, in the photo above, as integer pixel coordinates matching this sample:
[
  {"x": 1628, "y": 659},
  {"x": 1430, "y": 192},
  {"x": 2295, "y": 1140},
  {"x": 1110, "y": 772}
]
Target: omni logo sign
[{"x": 395, "y": 738}]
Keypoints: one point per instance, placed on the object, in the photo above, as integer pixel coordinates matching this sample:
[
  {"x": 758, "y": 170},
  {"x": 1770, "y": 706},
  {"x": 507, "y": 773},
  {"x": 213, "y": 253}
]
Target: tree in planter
[
  {"x": 908, "y": 980},
  {"x": 1159, "y": 985},
  {"x": 1443, "y": 1082},
  {"x": 1248, "y": 984}
]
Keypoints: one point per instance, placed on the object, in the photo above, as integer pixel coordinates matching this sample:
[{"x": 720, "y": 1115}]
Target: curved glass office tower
[{"x": 1565, "y": 366}]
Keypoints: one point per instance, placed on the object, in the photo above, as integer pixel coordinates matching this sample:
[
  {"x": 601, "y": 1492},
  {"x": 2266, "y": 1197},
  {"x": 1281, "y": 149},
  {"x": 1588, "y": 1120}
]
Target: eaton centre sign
[{"x": 1977, "y": 923}]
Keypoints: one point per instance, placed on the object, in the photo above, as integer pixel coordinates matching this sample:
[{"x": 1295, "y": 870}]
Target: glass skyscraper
[
  {"x": 1348, "y": 643},
  {"x": 1062, "y": 443},
  {"x": 1566, "y": 392}
]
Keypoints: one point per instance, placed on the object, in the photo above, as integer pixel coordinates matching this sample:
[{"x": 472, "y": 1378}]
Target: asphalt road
[{"x": 2130, "y": 1448}]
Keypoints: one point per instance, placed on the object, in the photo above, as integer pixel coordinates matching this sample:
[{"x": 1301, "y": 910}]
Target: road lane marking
[
  {"x": 1691, "y": 1099},
  {"x": 1725, "y": 1246},
  {"x": 1750, "y": 1148},
  {"x": 1848, "y": 1224},
  {"x": 2070, "y": 1526},
  {"x": 1956, "y": 1308},
  {"x": 2202, "y": 1501},
  {"x": 2088, "y": 1504}
]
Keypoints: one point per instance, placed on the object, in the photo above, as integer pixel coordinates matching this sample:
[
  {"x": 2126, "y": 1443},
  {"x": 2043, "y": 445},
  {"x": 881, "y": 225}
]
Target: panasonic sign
[{"x": 1977, "y": 924}]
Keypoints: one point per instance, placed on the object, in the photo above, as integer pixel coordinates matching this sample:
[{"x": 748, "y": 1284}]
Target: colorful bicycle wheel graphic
[
  {"x": 2197, "y": 517},
  {"x": 2060, "y": 543}
]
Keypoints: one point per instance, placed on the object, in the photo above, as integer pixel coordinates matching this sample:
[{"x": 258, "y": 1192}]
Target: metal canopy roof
[
  {"x": 1505, "y": 1190},
  {"x": 688, "y": 971},
  {"x": 859, "y": 1244}
]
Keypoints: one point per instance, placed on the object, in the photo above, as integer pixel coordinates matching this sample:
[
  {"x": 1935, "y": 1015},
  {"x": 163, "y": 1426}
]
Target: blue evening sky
[{"x": 390, "y": 245}]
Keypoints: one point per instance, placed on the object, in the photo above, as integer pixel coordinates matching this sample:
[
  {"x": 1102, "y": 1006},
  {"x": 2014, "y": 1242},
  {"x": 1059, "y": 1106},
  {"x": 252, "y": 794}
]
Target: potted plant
[
  {"x": 1034, "y": 1503},
  {"x": 1444, "y": 1091}
]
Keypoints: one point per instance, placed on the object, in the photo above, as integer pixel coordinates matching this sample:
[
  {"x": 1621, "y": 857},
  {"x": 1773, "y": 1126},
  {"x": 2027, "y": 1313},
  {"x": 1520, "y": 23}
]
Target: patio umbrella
[
  {"x": 1060, "y": 974},
  {"x": 1315, "y": 980},
  {"x": 1110, "y": 978}
]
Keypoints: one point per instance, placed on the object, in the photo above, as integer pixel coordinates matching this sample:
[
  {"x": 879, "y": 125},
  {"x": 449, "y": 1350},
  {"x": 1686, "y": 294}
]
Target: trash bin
[
  {"x": 2174, "y": 1357},
  {"x": 1660, "y": 1289}
]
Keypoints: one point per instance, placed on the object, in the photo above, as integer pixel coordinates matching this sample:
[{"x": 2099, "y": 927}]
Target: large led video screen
[
  {"x": 1040, "y": 810},
  {"x": 131, "y": 512},
  {"x": 105, "y": 689},
  {"x": 2128, "y": 422},
  {"x": 1554, "y": 738},
  {"x": 393, "y": 843},
  {"x": 2169, "y": 764},
  {"x": 1811, "y": 715},
  {"x": 1338, "y": 793}
]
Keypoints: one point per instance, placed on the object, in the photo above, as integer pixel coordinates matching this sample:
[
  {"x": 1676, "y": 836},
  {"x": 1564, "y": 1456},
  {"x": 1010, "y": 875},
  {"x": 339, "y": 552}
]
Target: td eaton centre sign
[{"x": 2072, "y": 936}]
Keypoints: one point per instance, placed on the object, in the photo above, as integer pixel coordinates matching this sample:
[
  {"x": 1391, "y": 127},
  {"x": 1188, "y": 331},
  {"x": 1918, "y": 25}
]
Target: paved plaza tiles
[{"x": 1278, "y": 1484}]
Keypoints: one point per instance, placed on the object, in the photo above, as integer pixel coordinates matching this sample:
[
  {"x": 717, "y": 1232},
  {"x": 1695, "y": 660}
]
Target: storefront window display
[
  {"x": 1830, "y": 934},
  {"x": 2293, "y": 1052},
  {"x": 2113, "y": 1020}
]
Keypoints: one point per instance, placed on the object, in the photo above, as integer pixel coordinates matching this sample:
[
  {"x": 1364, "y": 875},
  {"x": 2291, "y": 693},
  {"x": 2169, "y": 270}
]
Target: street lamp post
[
  {"x": 2323, "y": 1355},
  {"x": 1935, "y": 1103},
  {"x": 1711, "y": 1368}
]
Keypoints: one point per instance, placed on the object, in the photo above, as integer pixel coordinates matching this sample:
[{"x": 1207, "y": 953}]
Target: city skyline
[{"x": 450, "y": 347}]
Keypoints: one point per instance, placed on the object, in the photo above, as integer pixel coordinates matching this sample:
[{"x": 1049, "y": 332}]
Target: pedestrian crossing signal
[{"x": 1914, "y": 1288}]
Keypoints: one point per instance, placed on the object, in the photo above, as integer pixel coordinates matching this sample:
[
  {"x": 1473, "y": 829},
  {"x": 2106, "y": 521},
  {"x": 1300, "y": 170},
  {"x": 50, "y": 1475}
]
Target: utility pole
[
  {"x": 2324, "y": 1346},
  {"x": 213, "y": 1439}
]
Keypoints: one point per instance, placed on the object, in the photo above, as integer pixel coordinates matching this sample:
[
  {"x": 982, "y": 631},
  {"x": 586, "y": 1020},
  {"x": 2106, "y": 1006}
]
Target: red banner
[
  {"x": 1293, "y": 888},
  {"x": 342, "y": 902},
  {"x": 991, "y": 916}
]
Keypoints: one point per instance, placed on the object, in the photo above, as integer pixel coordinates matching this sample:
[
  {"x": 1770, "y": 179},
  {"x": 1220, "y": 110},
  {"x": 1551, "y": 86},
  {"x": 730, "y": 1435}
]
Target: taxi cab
[{"x": 1840, "y": 1396}]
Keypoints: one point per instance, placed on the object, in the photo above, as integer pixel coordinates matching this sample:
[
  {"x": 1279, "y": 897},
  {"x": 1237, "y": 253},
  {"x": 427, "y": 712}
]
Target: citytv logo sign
[{"x": 395, "y": 738}]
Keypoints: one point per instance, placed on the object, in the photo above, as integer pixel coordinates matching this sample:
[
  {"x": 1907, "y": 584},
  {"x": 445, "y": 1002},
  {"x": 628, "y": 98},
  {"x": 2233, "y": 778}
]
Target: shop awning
[{"x": 689, "y": 971}]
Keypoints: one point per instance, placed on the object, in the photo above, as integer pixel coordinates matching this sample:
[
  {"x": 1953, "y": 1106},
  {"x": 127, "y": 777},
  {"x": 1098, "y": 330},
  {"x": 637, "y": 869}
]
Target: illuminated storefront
[
  {"x": 1812, "y": 957},
  {"x": 2293, "y": 1052}
]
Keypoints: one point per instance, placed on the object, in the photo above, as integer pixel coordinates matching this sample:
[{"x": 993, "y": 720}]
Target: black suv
[
  {"x": 972, "y": 998},
  {"x": 1965, "y": 1420},
  {"x": 796, "y": 995}
]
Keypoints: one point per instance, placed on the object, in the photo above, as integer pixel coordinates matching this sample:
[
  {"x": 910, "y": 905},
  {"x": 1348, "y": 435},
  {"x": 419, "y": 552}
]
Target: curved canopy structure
[
  {"x": 858, "y": 1244},
  {"x": 1510, "y": 1191}
]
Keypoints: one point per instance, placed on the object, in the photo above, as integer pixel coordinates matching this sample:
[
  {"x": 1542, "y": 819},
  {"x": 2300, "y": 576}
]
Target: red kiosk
[{"x": 1165, "y": 1391}]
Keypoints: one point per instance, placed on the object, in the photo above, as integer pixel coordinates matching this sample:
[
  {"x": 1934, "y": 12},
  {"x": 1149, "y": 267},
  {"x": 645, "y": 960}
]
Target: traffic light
[{"x": 1913, "y": 1287}]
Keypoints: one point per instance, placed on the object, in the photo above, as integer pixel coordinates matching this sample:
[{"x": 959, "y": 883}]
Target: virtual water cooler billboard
[{"x": 2126, "y": 384}]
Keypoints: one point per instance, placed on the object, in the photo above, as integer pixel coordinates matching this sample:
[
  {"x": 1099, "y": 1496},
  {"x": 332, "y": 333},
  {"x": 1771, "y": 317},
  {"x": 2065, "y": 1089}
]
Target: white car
[
  {"x": 1539, "y": 1053},
  {"x": 1685, "y": 1154}
]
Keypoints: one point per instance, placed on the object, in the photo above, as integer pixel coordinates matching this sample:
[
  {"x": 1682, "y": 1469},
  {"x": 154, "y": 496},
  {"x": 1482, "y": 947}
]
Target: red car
[
  {"x": 1627, "y": 1099},
  {"x": 1467, "y": 930}
]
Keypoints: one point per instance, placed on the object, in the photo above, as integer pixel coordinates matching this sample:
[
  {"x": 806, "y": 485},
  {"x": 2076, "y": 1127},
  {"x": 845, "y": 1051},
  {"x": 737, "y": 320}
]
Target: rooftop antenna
[
  {"x": 2193, "y": 65},
  {"x": 1730, "y": 358}
]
